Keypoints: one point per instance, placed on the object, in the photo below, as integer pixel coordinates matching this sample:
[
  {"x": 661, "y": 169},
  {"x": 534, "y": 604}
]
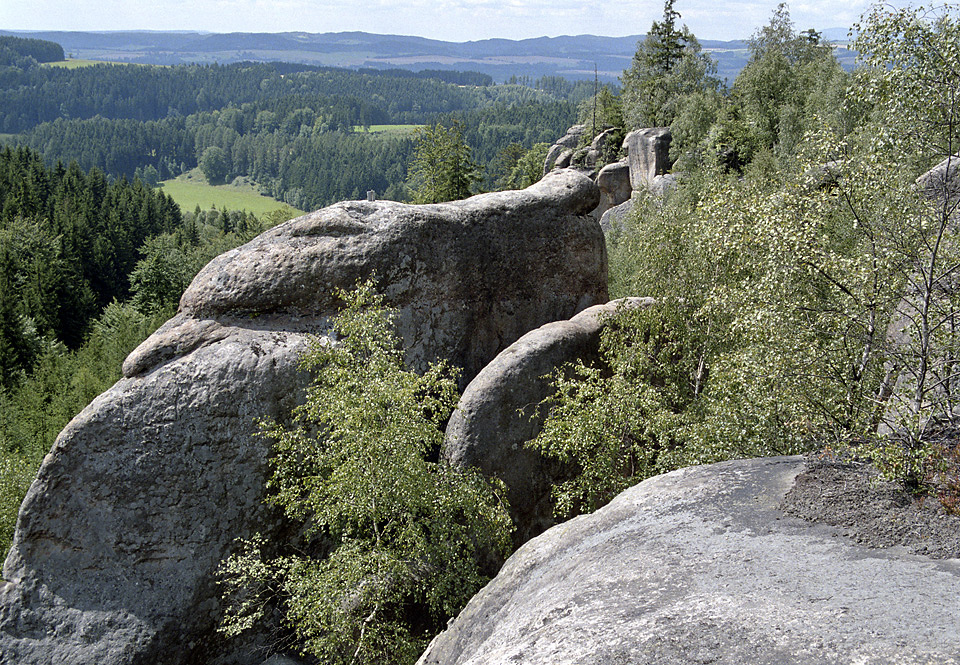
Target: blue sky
[{"x": 451, "y": 20}]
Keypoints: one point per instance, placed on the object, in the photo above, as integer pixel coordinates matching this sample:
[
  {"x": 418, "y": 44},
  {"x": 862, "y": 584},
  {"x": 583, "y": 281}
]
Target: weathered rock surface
[
  {"x": 648, "y": 153},
  {"x": 662, "y": 184},
  {"x": 469, "y": 277},
  {"x": 561, "y": 152},
  {"x": 564, "y": 158},
  {"x": 140, "y": 498},
  {"x": 612, "y": 219},
  {"x": 144, "y": 492},
  {"x": 600, "y": 141},
  {"x": 700, "y": 566},
  {"x": 644, "y": 169},
  {"x": 497, "y": 415},
  {"x": 613, "y": 180},
  {"x": 943, "y": 180}
]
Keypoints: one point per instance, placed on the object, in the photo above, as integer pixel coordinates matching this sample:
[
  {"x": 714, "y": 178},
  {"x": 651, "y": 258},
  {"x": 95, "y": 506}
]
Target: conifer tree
[
  {"x": 443, "y": 168},
  {"x": 667, "y": 66}
]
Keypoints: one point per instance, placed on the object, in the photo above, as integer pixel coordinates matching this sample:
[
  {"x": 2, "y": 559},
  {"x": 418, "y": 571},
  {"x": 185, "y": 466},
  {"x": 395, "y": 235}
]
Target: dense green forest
[
  {"x": 71, "y": 241},
  {"x": 297, "y": 131},
  {"x": 24, "y": 53}
]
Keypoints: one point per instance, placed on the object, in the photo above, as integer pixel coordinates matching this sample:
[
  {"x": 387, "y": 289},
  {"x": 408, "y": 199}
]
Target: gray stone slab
[{"x": 700, "y": 566}]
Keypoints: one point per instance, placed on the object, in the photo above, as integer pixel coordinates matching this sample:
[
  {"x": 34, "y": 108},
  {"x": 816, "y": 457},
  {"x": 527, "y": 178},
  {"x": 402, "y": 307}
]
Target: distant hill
[{"x": 572, "y": 57}]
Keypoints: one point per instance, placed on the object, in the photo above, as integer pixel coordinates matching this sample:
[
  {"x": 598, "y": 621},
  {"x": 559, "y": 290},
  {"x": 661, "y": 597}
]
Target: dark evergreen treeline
[
  {"x": 68, "y": 241},
  {"x": 296, "y": 130},
  {"x": 117, "y": 147},
  {"x": 300, "y": 148},
  {"x": 447, "y": 76},
  {"x": 490, "y": 130},
  {"x": 32, "y": 96},
  {"x": 18, "y": 51}
]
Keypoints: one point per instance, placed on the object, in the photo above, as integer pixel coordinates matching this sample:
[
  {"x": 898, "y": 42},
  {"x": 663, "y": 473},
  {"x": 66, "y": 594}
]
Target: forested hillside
[
  {"x": 300, "y": 132},
  {"x": 72, "y": 239},
  {"x": 22, "y": 52}
]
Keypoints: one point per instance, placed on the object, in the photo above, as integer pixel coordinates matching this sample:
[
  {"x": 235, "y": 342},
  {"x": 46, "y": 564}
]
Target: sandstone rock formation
[
  {"x": 561, "y": 152},
  {"x": 144, "y": 492},
  {"x": 662, "y": 184},
  {"x": 469, "y": 277},
  {"x": 700, "y": 566},
  {"x": 497, "y": 413},
  {"x": 648, "y": 152},
  {"x": 141, "y": 495},
  {"x": 644, "y": 169},
  {"x": 613, "y": 180},
  {"x": 612, "y": 219},
  {"x": 602, "y": 140},
  {"x": 943, "y": 180}
]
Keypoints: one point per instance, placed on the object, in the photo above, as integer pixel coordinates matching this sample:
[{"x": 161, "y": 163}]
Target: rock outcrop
[
  {"x": 648, "y": 153},
  {"x": 145, "y": 490},
  {"x": 613, "y": 180},
  {"x": 612, "y": 219},
  {"x": 943, "y": 180},
  {"x": 561, "y": 152},
  {"x": 645, "y": 168},
  {"x": 701, "y": 566},
  {"x": 468, "y": 277},
  {"x": 497, "y": 414}
]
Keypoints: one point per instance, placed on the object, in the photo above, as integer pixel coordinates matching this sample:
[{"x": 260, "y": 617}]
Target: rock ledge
[{"x": 700, "y": 566}]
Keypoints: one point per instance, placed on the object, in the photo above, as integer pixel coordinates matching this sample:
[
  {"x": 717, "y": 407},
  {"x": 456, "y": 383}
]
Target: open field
[
  {"x": 192, "y": 189},
  {"x": 390, "y": 130},
  {"x": 77, "y": 63}
]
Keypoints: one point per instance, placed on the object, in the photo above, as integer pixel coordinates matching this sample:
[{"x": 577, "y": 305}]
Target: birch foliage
[{"x": 399, "y": 543}]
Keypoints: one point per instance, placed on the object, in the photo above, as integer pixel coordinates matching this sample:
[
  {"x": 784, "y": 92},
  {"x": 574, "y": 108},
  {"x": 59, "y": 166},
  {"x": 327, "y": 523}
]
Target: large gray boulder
[
  {"x": 613, "y": 180},
  {"x": 700, "y": 566},
  {"x": 661, "y": 185},
  {"x": 497, "y": 414},
  {"x": 613, "y": 220},
  {"x": 142, "y": 494},
  {"x": 648, "y": 153},
  {"x": 469, "y": 277},
  {"x": 145, "y": 491}
]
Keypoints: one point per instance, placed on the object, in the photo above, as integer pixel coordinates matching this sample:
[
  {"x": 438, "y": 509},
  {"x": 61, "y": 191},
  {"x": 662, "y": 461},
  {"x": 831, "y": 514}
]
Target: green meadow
[
  {"x": 192, "y": 189},
  {"x": 77, "y": 63},
  {"x": 390, "y": 130}
]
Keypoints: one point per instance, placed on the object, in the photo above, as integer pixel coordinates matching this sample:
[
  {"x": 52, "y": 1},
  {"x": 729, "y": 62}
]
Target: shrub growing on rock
[{"x": 399, "y": 541}]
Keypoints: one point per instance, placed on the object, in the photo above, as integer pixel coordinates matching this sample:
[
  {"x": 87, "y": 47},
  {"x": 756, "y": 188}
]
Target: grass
[
  {"x": 393, "y": 131},
  {"x": 191, "y": 190},
  {"x": 77, "y": 63}
]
